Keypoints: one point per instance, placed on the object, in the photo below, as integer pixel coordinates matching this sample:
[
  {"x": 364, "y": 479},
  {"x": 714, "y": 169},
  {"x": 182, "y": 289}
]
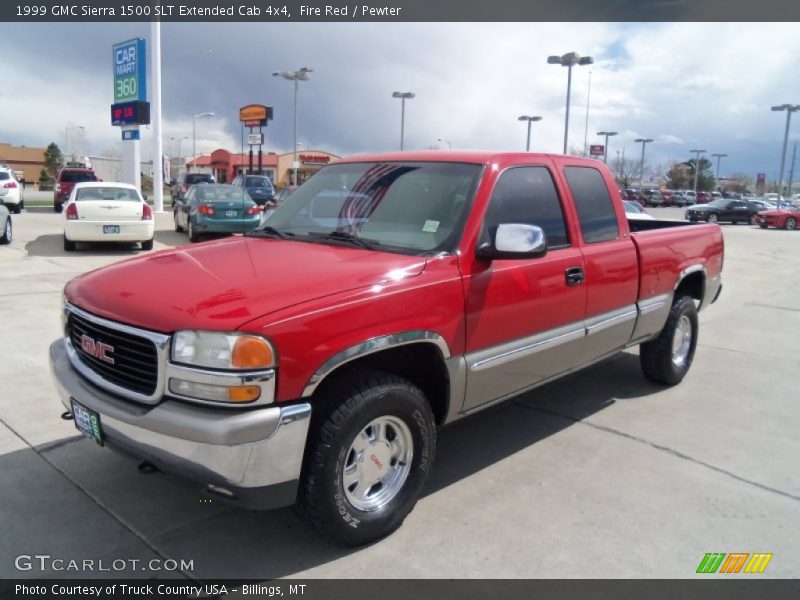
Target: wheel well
[
  {"x": 422, "y": 364},
  {"x": 692, "y": 285}
]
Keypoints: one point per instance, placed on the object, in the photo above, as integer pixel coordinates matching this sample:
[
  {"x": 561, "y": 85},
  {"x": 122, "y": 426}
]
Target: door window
[{"x": 596, "y": 213}]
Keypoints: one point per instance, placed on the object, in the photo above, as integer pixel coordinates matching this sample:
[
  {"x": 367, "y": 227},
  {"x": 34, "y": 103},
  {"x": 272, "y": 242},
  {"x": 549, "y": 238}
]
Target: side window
[
  {"x": 189, "y": 197},
  {"x": 528, "y": 195},
  {"x": 593, "y": 202}
]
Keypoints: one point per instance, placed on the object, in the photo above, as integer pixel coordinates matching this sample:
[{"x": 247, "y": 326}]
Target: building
[
  {"x": 30, "y": 161},
  {"x": 225, "y": 165},
  {"x": 310, "y": 161},
  {"x": 110, "y": 168}
]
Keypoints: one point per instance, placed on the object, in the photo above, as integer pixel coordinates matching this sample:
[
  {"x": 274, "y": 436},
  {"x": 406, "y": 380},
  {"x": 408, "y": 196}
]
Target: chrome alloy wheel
[
  {"x": 681, "y": 341},
  {"x": 378, "y": 463}
]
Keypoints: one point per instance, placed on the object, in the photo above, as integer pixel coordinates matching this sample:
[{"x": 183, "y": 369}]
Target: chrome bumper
[{"x": 255, "y": 456}]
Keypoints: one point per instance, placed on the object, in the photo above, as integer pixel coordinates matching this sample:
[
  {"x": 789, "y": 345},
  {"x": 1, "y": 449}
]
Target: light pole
[
  {"x": 789, "y": 108},
  {"x": 719, "y": 157},
  {"x": 403, "y": 96},
  {"x": 194, "y": 136},
  {"x": 644, "y": 142},
  {"x": 586, "y": 125},
  {"x": 569, "y": 60},
  {"x": 296, "y": 76},
  {"x": 529, "y": 120},
  {"x": 449, "y": 143},
  {"x": 607, "y": 134},
  {"x": 696, "y": 168}
]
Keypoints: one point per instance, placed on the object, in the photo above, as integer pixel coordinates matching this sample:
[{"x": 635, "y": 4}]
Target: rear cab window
[
  {"x": 527, "y": 195},
  {"x": 77, "y": 176},
  {"x": 596, "y": 213}
]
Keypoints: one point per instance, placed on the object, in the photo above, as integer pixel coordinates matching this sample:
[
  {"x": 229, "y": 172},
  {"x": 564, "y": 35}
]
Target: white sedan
[{"x": 107, "y": 212}]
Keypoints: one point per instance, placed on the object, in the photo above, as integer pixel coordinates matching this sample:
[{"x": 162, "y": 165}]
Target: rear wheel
[
  {"x": 147, "y": 245},
  {"x": 790, "y": 223},
  {"x": 68, "y": 246},
  {"x": 752, "y": 220},
  {"x": 667, "y": 358},
  {"x": 370, "y": 451},
  {"x": 193, "y": 235},
  {"x": 175, "y": 218},
  {"x": 8, "y": 233}
]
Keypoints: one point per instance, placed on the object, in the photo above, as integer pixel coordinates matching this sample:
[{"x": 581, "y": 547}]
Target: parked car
[
  {"x": 634, "y": 195},
  {"x": 667, "y": 198},
  {"x": 283, "y": 194},
  {"x": 66, "y": 180},
  {"x": 11, "y": 191},
  {"x": 704, "y": 197},
  {"x": 691, "y": 197},
  {"x": 259, "y": 188},
  {"x": 5, "y": 225},
  {"x": 634, "y": 210},
  {"x": 762, "y": 204},
  {"x": 735, "y": 211},
  {"x": 186, "y": 180},
  {"x": 716, "y": 195},
  {"x": 680, "y": 198},
  {"x": 651, "y": 197},
  {"x": 215, "y": 208},
  {"x": 313, "y": 364},
  {"x": 107, "y": 212},
  {"x": 782, "y": 218}
]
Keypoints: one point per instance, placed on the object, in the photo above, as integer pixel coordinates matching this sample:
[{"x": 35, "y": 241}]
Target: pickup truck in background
[{"x": 310, "y": 362}]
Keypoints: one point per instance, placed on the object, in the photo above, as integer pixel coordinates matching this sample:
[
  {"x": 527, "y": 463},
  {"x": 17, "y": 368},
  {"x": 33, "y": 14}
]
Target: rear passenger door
[
  {"x": 610, "y": 262},
  {"x": 524, "y": 317}
]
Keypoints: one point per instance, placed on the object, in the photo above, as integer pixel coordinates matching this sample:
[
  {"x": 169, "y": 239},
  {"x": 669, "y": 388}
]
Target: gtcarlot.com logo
[
  {"x": 46, "y": 562},
  {"x": 735, "y": 562}
]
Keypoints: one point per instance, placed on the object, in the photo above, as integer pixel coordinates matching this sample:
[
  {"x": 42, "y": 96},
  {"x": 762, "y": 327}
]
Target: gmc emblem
[{"x": 99, "y": 350}]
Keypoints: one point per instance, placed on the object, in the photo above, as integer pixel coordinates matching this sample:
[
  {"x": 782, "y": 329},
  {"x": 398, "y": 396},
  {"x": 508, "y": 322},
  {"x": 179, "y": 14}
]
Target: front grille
[{"x": 135, "y": 358}]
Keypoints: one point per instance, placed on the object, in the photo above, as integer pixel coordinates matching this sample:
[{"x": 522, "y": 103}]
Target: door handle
[{"x": 574, "y": 275}]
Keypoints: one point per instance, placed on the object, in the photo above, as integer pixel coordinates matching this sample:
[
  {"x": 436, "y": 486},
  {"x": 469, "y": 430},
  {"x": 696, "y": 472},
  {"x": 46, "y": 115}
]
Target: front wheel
[
  {"x": 667, "y": 358},
  {"x": 790, "y": 223},
  {"x": 8, "y": 233},
  {"x": 370, "y": 451},
  {"x": 712, "y": 218},
  {"x": 763, "y": 225}
]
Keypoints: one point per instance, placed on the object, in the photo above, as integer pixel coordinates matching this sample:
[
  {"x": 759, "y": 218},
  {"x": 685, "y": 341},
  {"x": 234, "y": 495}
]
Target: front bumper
[{"x": 250, "y": 458}]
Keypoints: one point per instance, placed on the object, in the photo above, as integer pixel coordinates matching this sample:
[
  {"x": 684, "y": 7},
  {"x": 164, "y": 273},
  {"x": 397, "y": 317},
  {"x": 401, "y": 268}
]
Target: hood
[{"x": 223, "y": 284}]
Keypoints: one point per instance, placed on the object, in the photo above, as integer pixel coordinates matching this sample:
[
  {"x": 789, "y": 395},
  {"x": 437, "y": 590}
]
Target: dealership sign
[
  {"x": 597, "y": 150},
  {"x": 130, "y": 71}
]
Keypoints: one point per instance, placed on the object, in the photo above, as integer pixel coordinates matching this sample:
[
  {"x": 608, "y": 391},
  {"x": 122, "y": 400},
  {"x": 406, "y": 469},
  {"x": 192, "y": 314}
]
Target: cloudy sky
[{"x": 687, "y": 85}]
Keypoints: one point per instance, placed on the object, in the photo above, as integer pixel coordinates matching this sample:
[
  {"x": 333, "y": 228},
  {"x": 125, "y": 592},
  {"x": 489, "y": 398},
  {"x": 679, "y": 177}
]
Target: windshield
[
  {"x": 405, "y": 206},
  {"x": 107, "y": 193}
]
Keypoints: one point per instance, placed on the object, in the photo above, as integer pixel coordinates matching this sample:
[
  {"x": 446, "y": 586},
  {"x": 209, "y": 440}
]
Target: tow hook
[
  {"x": 67, "y": 416},
  {"x": 146, "y": 468}
]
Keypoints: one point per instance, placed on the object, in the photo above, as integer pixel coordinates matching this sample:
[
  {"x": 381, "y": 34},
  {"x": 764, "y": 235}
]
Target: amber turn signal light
[
  {"x": 244, "y": 393},
  {"x": 251, "y": 353}
]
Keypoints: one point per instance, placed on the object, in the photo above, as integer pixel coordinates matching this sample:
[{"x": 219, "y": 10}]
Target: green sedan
[{"x": 215, "y": 208}]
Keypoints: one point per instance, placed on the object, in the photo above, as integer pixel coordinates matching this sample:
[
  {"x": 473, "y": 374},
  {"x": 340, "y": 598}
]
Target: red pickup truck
[{"x": 312, "y": 361}]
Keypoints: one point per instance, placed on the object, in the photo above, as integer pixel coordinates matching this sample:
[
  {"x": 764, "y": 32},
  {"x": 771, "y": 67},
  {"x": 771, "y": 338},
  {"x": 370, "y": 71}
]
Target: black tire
[
  {"x": 58, "y": 208},
  {"x": 763, "y": 225},
  {"x": 178, "y": 228},
  {"x": 68, "y": 246},
  {"x": 752, "y": 220},
  {"x": 147, "y": 244},
  {"x": 342, "y": 412},
  {"x": 656, "y": 356},
  {"x": 790, "y": 223},
  {"x": 193, "y": 235},
  {"x": 734, "y": 222},
  {"x": 8, "y": 233},
  {"x": 712, "y": 218}
]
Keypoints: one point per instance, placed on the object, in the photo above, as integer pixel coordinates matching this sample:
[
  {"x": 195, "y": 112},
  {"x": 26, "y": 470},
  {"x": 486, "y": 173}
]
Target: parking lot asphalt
[{"x": 601, "y": 474}]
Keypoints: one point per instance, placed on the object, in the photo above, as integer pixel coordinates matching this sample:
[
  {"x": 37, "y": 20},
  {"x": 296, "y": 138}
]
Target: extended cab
[{"x": 312, "y": 361}]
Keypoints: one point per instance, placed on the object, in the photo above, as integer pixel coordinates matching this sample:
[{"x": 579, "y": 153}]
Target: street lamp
[
  {"x": 608, "y": 134},
  {"x": 719, "y": 158},
  {"x": 569, "y": 60},
  {"x": 789, "y": 108},
  {"x": 194, "y": 136},
  {"x": 296, "y": 76},
  {"x": 449, "y": 143},
  {"x": 403, "y": 96},
  {"x": 697, "y": 168},
  {"x": 529, "y": 120},
  {"x": 644, "y": 142}
]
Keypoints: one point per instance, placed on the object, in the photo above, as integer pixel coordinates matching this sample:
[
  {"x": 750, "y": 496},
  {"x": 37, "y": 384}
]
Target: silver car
[{"x": 6, "y": 232}]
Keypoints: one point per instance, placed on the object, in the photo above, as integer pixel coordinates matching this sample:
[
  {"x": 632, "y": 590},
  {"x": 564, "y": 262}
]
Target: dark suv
[
  {"x": 259, "y": 187},
  {"x": 66, "y": 180},
  {"x": 186, "y": 180}
]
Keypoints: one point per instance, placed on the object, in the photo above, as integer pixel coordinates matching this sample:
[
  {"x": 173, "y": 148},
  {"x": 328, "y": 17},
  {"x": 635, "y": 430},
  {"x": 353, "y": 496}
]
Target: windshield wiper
[
  {"x": 349, "y": 238},
  {"x": 269, "y": 231}
]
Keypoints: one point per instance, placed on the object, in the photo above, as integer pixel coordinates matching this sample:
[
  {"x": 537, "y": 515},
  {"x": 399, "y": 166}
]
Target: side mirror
[{"x": 515, "y": 240}]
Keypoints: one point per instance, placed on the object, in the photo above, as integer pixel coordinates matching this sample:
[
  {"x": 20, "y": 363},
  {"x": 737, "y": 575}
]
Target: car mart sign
[{"x": 130, "y": 71}]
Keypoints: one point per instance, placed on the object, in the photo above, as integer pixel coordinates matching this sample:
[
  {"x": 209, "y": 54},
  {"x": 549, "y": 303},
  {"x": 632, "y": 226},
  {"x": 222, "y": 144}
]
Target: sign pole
[{"x": 158, "y": 149}]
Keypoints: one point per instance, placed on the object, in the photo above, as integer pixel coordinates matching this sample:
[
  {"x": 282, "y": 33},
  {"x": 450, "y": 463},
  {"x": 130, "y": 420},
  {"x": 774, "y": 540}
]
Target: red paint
[{"x": 314, "y": 300}]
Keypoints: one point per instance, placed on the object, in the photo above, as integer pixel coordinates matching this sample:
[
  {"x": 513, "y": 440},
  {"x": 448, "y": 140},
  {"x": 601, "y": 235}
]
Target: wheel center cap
[{"x": 376, "y": 462}]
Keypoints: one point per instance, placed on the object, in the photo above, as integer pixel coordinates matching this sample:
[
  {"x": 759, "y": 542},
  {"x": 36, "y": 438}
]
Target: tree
[
  {"x": 45, "y": 181},
  {"x": 705, "y": 179},
  {"x": 738, "y": 183},
  {"x": 625, "y": 170},
  {"x": 53, "y": 160},
  {"x": 679, "y": 176}
]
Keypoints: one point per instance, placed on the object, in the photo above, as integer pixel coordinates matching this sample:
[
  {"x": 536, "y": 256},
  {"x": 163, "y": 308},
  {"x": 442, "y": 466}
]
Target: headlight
[{"x": 215, "y": 350}]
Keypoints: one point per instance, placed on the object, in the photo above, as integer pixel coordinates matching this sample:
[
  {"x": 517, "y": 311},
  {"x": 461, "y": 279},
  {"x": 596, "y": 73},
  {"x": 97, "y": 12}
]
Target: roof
[{"x": 481, "y": 157}]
